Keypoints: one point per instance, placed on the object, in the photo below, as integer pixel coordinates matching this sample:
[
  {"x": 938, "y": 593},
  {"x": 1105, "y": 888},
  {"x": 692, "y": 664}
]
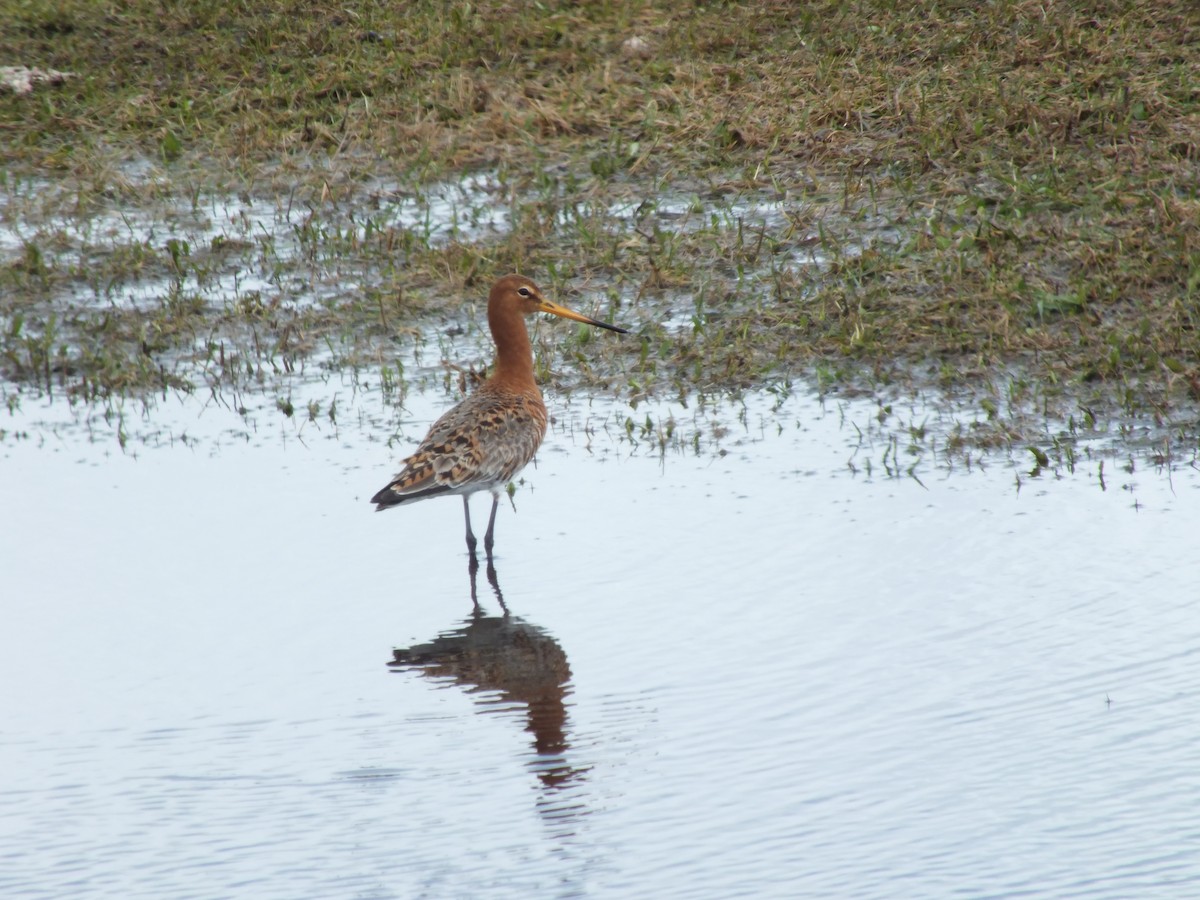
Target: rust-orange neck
[{"x": 514, "y": 353}]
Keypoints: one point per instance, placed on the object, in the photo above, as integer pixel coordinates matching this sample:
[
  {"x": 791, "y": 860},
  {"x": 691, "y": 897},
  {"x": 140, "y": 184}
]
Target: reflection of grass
[{"x": 1036, "y": 170}]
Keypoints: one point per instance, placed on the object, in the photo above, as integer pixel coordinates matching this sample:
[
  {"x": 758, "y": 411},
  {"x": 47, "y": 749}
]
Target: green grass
[{"x": 1002, "y": 197}]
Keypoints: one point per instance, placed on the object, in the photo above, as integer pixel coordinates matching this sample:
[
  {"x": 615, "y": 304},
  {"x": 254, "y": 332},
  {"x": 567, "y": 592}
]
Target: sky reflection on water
[{"x": 749, "y": 673}]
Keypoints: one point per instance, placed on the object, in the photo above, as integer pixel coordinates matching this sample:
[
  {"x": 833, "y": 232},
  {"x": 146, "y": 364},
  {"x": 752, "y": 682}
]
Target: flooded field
[
  {"x": 757, "y": 659},
  {"x": 863, "y": 566}
]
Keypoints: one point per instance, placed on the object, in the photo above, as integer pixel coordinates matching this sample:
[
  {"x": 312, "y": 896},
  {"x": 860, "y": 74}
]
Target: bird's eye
[{"x": 524, "y": 292}]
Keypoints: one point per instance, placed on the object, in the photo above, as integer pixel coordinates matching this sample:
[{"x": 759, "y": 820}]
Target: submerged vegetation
[{"x": 998, "y": 200}]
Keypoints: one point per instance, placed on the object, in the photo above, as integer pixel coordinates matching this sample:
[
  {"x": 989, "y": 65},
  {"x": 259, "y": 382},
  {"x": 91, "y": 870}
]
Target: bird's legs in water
[
  {"x": 489, "y": 535},
  {"x": 473, "y": 563}
]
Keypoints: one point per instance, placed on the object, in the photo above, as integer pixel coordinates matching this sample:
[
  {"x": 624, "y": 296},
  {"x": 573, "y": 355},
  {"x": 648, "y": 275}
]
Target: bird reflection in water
[{"x": 509, "y": 660}]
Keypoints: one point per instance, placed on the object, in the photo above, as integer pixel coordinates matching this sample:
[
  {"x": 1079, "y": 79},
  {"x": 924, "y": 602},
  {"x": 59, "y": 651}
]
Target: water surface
[{"x": 754, "y": 670}]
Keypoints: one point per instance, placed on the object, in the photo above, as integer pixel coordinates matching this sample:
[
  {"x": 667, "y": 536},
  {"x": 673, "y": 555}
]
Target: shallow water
[{"x": 749, "y": 671}]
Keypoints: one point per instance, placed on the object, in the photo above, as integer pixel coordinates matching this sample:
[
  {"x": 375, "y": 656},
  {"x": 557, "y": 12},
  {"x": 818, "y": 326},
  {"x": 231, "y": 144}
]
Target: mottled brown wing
[{"x": 479, "y": 444}]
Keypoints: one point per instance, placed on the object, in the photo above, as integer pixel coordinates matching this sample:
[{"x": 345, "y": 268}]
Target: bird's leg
[
  {"x": 491, "y": 529},
  {"x": 470, "y": 533}
]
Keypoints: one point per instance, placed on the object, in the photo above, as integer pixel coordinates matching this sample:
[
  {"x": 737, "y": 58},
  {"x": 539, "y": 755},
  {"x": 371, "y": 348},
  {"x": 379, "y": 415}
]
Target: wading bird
[{"x": 484, "y": 441}]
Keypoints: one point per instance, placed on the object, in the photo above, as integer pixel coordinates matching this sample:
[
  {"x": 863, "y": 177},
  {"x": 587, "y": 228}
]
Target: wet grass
[{"x": 997, "y": 201}]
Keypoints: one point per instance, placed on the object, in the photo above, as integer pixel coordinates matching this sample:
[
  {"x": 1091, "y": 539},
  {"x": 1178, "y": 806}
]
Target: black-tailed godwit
[{"x": 484, "y": 441}]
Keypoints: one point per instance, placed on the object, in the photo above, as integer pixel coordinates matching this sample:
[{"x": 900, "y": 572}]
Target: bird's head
[{"x": 518, "y": 292}]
